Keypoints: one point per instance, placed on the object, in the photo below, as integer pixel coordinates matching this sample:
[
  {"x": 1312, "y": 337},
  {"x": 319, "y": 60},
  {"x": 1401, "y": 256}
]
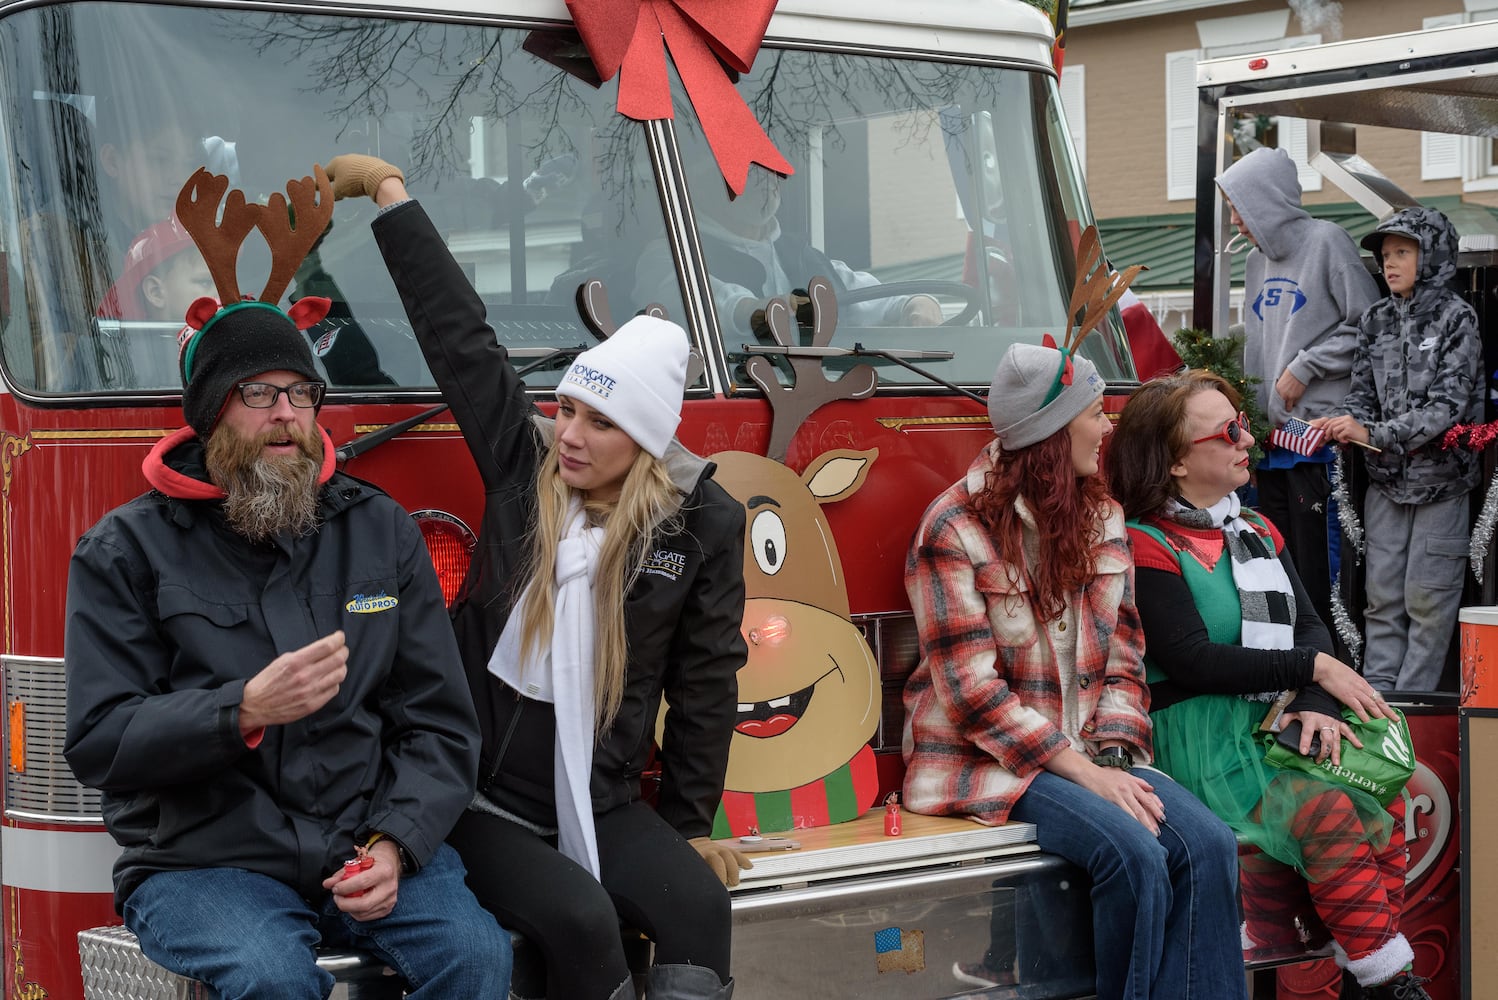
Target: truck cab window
[{"x": 534, "y": 179}]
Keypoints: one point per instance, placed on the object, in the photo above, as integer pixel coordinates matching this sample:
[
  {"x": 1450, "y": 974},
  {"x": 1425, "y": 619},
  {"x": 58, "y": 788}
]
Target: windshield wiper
[
  {"x": 545, "y": 357},
  {"x": 897, "y": 355}
]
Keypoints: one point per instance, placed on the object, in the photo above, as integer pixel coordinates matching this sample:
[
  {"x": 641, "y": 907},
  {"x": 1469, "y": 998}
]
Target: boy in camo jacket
[{"x": 1417, "y": 373}]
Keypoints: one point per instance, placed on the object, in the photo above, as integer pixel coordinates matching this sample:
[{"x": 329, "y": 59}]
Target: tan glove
[
  {"x": 356, "y": 175},
  {"x": 722, "y": 859}
]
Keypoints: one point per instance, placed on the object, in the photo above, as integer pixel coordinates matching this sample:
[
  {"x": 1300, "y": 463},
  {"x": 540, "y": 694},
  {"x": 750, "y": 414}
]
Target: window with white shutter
[
  {"x": 1441, "y": 153},
  {"x": 1293, "y": 140},
  {"x": 1180, "y": 124},
  {"x": 1074, "y": 105},
  {"x": 1241, "y": 35}
]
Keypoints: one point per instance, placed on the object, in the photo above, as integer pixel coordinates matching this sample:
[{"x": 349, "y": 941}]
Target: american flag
[
  {"x": 1297, "y": 436},
  {"x": 898, "y": 950}
]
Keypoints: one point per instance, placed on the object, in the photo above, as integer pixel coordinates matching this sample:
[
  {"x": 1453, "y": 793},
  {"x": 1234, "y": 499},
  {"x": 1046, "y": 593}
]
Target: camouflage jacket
[{"x": 1418, "y": 371}]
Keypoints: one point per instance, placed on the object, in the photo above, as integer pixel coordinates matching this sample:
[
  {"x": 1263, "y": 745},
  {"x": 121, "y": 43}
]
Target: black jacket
[
  {"x": 169, "y": 614},
  {"x": 682, "y": 622}
]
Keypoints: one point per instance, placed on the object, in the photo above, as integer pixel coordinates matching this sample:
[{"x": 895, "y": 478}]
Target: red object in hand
[
  {"x": 892, "y": 816},
  {"x": 354, "y": 866}
]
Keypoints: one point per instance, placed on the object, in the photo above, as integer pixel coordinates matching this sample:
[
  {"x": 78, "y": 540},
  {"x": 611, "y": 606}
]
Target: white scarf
[{"x": 561, "y": 673}]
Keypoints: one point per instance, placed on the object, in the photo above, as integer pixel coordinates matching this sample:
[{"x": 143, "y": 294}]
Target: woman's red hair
[{"x": 1068, "y": 510}]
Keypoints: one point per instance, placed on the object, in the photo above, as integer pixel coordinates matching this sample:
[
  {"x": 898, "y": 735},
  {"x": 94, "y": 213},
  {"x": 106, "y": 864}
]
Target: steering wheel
[{"x": 922, "y": 286}]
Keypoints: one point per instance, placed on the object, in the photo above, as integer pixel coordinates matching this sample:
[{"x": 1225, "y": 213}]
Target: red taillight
[
  {"x": 450, "y": 544},
  {"x": 1258, "y": 64}
]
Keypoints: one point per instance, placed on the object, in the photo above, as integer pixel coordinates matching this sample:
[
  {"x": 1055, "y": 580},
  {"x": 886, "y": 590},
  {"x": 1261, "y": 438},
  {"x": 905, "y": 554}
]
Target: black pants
[
  {"x": 1295, "y": 500},
  {"x": 653, "y": 880}
]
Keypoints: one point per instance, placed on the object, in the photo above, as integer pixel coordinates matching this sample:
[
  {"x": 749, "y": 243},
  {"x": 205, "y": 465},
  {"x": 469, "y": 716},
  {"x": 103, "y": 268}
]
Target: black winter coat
[
  {"x": 682, "y": 626},
  {"x": 169, "y": 614}
]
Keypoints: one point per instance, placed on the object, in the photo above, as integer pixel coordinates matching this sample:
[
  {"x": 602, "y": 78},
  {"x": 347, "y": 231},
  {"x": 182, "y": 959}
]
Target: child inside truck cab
[{"x": 1029, "y": 701}]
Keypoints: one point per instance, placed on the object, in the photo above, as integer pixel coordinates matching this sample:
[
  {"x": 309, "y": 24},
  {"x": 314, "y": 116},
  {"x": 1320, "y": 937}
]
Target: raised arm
[{"x": 471, "y": 367}]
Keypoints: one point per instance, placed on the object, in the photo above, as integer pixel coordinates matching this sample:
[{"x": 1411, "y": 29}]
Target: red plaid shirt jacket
[{"x": 990, "y": 701}]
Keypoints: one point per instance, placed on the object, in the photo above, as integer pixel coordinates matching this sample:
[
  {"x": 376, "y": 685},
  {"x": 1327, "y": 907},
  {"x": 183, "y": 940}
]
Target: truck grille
[{"x": 43, "y": 787}]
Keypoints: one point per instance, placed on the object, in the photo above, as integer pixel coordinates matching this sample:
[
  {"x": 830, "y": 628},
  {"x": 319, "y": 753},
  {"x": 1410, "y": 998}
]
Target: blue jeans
[
  {"x": 1164, "y": 909},
  {"x": 249, "y": 935}
]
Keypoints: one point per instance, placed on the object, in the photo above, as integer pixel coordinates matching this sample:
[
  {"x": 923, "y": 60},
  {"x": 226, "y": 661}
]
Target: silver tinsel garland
[
  {"x": 1342, "y": 622},
  {"x": 1482, "y": 531},
  {"x": 1352, "y": 536},
  {"x": 1347, "y": 515}
]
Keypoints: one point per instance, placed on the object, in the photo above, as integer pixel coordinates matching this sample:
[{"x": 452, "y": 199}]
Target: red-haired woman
[{"x": 1029, "y": 701}]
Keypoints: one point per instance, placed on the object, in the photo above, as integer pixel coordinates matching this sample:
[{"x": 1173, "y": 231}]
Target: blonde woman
[{"x": 609, "y": 572}]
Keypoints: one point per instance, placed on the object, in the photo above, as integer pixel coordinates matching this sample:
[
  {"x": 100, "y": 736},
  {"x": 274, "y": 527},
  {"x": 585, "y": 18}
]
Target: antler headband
[
  {"x": 1095, "y": 291},
  {"x": 290, "y": 228}
]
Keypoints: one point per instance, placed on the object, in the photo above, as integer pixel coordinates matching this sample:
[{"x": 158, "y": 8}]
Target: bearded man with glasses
[{"x": 263, "y": 683}]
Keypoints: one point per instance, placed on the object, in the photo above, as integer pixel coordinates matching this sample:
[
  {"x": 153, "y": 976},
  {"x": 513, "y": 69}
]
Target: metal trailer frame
[{"x": 1437, "y": 80}]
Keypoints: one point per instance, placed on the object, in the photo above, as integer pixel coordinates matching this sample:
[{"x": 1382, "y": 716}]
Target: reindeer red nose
[{"x": 771, "y": 632}]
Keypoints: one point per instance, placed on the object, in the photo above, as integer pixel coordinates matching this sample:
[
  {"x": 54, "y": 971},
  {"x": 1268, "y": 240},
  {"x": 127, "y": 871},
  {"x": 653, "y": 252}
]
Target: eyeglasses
[
  {"x": 1232, "y": 432},
  {"x": 264, "y": 395}
]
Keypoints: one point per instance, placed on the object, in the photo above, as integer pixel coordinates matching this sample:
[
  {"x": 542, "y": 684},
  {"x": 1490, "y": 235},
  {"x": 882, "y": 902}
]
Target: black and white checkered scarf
[{"x": 1264, "y": 592}]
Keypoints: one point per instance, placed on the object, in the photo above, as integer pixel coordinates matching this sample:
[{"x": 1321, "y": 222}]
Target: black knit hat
[{"x": 239, "y": 342}]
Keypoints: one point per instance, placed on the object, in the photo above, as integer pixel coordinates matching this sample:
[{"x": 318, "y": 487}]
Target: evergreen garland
[{"x": 1224, "y": 356}]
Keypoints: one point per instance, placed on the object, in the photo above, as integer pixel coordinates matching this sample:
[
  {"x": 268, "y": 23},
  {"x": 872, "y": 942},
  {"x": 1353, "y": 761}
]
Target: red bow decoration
[
  {"x": 633, "y": 36},
  {"x": 1047, "y": 340}
]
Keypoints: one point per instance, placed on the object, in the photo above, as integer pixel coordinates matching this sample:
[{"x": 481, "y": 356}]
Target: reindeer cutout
[
  {"x": 290, "y": 228},
  {"x": 811, "y": 389},
  {"x": 809, "y": 695}
]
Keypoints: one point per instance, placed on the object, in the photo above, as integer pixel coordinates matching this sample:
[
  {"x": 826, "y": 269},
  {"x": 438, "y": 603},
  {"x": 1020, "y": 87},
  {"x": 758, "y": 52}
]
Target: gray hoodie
[{"x": 1304, "y": 288}]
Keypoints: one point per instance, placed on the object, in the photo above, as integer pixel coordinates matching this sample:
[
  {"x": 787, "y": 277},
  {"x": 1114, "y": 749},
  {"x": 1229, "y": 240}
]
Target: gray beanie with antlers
[{"x": 1032, "y": 396}]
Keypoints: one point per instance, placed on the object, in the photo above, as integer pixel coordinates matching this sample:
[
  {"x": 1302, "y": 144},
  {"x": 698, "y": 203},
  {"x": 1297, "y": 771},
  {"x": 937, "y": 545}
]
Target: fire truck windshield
[{"x": 926, "y": 193}]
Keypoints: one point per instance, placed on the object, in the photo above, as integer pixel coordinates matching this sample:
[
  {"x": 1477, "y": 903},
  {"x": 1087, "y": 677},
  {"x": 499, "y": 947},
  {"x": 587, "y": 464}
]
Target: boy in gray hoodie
[
  {"x": 1416, "y": 374},
  {"x": 1304, "y": 288}
]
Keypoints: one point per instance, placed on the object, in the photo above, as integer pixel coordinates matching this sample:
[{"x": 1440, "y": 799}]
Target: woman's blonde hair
[{"x": 649, "y": 504}]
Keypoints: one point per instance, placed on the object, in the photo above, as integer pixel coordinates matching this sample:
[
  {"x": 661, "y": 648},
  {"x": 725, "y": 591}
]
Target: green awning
[{"x": 1164, "y": 242}]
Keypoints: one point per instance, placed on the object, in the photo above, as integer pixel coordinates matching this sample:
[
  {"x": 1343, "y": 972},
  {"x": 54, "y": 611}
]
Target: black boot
[
  {"x": 1405, "y": 986},
  {"x": 685, "y": 982}
]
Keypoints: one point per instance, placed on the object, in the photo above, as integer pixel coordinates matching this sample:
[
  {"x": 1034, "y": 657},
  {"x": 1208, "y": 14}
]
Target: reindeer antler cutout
[
  {"x": 593, "y": 307},
  {"x": 810, "y": 388},
  {"x": 1094, "y": 291},
  {"x": 197, "y": 210},
  {"x": 292, "y": 231}
]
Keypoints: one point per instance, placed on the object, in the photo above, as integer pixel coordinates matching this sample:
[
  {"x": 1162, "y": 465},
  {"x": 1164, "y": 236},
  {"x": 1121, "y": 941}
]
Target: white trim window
[
  {"x": 1445, "y": 156},
  {"x": 1073, "y": 87},
  {"x": 1180, "y": 123}
]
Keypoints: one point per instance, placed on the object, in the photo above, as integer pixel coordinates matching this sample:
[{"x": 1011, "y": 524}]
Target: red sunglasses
[{"x": 1232, "y": 432}]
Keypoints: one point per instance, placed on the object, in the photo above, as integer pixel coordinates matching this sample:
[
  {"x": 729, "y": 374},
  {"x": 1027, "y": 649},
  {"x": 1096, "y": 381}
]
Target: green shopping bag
[{"x": 1381, "y": 768}]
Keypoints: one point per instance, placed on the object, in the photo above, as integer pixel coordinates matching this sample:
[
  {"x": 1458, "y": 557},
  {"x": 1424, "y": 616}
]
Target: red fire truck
[{"x": 930, "y": 158}]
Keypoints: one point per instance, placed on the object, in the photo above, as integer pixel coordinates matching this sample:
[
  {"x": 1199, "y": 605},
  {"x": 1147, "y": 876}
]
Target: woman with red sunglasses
[{"x": 1228, "y": 626}]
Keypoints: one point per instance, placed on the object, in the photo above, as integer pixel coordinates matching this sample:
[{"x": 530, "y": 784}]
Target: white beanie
[{"x": 635, "y": 378}]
